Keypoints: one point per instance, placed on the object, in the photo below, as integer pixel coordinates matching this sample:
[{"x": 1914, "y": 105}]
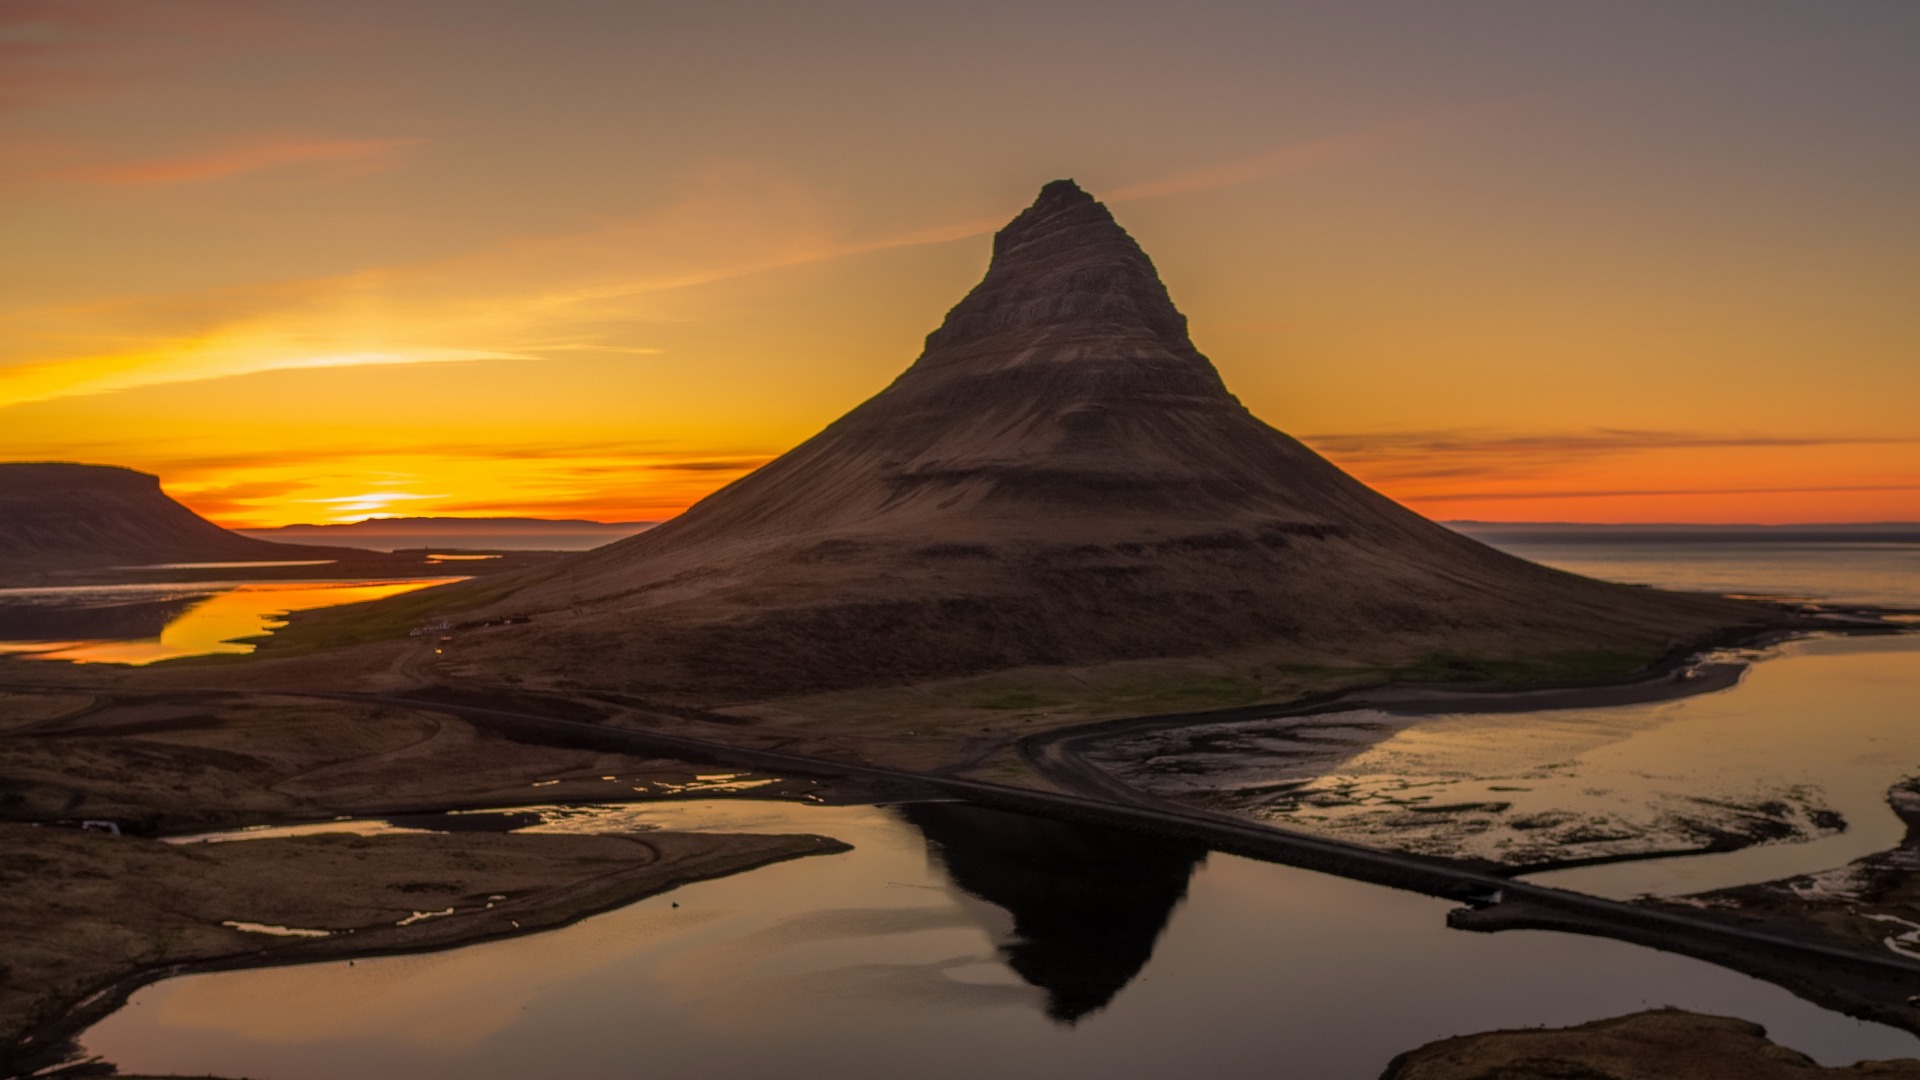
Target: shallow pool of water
[
  {"x": 1814, "y": 728},
  {"x": 683, "y": 815},
  {"x": 1840, "y": 717},
  {"x": 144, "y": 623},
  {"x": 951, "y": 942}
]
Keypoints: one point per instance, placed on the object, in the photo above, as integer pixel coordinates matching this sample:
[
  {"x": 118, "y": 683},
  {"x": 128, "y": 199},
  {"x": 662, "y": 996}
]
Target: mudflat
[
  {"x": 1871, "y": 904},
  {"x": 181, "y": 762},
  {"x": 86, "y": 917}
]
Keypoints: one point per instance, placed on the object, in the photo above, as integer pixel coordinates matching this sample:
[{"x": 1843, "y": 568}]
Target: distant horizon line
[
  {"x": 503, "y": 518},
  {"x": 1895, "y": 524},
  {"x": 444, "y": 518}
]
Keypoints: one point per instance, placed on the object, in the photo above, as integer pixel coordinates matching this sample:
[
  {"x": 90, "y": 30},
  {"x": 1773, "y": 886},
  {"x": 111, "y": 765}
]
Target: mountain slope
[
  {"x": 1060, "y": 478},
  {"x": 59, "y": 516}
]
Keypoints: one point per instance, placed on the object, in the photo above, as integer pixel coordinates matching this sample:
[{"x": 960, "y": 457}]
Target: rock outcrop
[{"x": 1661, "y": 1044}]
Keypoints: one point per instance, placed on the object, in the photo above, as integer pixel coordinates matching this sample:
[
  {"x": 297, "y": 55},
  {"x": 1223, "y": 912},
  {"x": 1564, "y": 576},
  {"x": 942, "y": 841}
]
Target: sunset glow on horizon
[{"x": 316, "y": 263}]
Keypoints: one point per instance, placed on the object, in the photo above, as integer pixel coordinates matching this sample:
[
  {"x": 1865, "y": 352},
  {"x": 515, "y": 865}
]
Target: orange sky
[{"x": 1509, "y": 261}]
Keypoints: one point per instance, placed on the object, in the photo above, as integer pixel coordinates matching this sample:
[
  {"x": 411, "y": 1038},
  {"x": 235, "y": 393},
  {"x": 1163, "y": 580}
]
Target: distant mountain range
[{"x": 466, "y": 533}]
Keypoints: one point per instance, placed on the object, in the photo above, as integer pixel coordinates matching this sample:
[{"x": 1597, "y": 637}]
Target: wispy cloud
[
  {"x": 1474, "y": 466},
  {"x": 1626, "y": 493},
  {"x": 1590, "y": 441},
  {"x": 1297, "y": 157},
  {"x": 728, "y": 465},
  {"x": 1327, "y": 151},
  {"x": 248, "y": 157},
  {"x": 520, "y": 298},
  {"x": 1456, "y": 452},
  {"x": 43, "y": 44},
  {"x": 586, "y": 457},
  {"x": 586, "y": 479},
  {"x": 1302, "y": 156},
  {"x": 515, "y": 299},
  {"x": 191, "y": 361},
  {"x": 57, "y": 50}
]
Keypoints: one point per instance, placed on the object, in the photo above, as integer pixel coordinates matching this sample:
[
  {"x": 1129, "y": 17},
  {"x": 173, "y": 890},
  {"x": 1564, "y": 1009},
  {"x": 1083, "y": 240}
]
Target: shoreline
[
  {"x": 1799, "y": 970},
  {"x": 1049, "y": 754},
  {"x": 1060, "y": 755},
  {"x": 1052, "y": 754},
  {"x": 1666, "y": 679},
  {"x": 51, "y": 1044}
]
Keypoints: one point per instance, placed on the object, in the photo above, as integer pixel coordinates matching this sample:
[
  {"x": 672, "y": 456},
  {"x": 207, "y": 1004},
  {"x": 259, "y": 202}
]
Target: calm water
[
  {"x": 951, "y": 942},
  {"x": 1816, "y": 727},
  {"x": 957, "y": 942},
  {"x": 1838, "y": 719},
  {"x": 1843, "y": 572},
  {"x": 140, "y": 624}
]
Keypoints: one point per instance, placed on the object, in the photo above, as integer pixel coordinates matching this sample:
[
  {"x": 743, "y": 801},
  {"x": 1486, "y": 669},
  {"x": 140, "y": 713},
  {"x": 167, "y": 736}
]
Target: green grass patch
[
  {"x": 1013, "y": 699},
  {"x": 1545, "y": 669},
  {"x": 376, "y": 620},
  {"x": 1181, "y": 692}
]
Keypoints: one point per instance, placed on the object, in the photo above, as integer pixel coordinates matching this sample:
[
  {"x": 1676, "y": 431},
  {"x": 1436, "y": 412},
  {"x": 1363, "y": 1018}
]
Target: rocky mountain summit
[{"x": 1061, "y": 478}]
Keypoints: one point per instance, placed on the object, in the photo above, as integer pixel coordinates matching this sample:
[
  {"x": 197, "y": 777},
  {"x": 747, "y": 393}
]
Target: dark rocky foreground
[{"x": 1664, "y": 1044}]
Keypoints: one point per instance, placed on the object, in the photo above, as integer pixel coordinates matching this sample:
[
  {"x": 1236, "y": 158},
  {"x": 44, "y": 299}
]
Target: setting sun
[{"x": 1495, "y": 288}]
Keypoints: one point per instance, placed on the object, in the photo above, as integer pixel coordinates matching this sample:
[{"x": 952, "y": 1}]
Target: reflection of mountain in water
[
  {"x": 130, "y": 621},
  {"x": 1087, "y": 903}
]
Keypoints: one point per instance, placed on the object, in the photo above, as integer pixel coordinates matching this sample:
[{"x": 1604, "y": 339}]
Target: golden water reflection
[{"x": 222, "y": 622}]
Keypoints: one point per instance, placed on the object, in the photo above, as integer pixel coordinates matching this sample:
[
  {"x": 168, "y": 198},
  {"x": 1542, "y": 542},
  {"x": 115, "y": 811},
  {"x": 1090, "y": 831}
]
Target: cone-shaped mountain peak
[
  {"x": 1060, "y": 478},
  {"x": 1064, "y": 265}
]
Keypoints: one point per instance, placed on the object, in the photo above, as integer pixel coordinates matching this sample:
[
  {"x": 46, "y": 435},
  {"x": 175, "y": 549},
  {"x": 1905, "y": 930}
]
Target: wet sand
[
  {"x": 186, "y": 762},
  {"x": 1871, "y": 904},
  {"x": 1677, "y": 764}
]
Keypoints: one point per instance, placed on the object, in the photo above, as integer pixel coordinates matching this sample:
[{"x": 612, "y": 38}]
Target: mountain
[
  {"x": 487, "y": 534},
  {"x": 1061, "y": 478},
  {"x": 62, "y": 516}
]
